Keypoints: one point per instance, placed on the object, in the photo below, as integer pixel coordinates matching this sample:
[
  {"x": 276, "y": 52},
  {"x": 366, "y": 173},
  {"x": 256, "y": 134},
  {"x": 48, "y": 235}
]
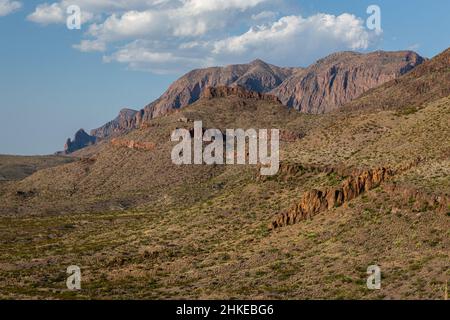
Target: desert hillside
[{"x": 356, "y": 187}]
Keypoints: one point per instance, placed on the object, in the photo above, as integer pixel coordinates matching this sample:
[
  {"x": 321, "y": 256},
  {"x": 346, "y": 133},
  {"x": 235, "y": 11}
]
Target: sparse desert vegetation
[{"x": 141, "y": 227}]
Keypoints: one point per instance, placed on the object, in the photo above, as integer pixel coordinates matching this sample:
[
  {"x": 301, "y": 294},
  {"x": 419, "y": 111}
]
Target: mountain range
[
  {"x": 320, "y": 88},
  {"x": 360, "y": 184}
]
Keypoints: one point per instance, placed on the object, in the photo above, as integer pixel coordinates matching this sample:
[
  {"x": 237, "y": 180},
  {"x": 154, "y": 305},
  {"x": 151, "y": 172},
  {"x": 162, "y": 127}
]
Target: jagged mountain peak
[
  {"x": 259, "y": 63},
  {"x": 81, "y": 140},
  {"x": 326, "y": 85},
  {"x": 121, "y": 124},
  {"x": 127, "y": 112}
]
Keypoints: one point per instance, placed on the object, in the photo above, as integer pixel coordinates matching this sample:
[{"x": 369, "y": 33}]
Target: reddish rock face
[
  {"x": 325, "y": 86},
  {"x": 132, "y": 144},
  {"x": 315, "y": 201},
  {"x": 124, "y": 122},
  {"x": 342, "y": 77},
  {"x": 413, "y": 89},
  {"x": 256, "y": 76}
]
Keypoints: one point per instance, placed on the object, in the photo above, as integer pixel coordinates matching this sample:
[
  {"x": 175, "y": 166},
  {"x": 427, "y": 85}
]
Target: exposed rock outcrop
[
  {"x": 132, "y": 144},
  {"x": 324, "y": 86},
  {"x": 124, "y": 122},
  {"x": 414, "y": 89},
  {"x": 81, "y": 140},
  {"x": 255, "y": 76},
  {"x": 223, "y": 91},
  {"x": 315, "y": 201},
  {"x": 342, "y": 77}
]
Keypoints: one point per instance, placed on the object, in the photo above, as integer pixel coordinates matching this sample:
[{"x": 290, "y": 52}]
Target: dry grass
[{"x": 142, "y": 228}]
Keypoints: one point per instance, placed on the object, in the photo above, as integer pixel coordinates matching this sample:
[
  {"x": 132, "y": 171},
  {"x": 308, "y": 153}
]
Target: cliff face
[
  {"x": 340, "y": 78},
  {"x": 324, "y": 86},
  {"x": 124, "y": 122},
  {"x": 412, "y": 90},
  {"x": 81, "y": 140},
  {"x": 256, "y": 76}
]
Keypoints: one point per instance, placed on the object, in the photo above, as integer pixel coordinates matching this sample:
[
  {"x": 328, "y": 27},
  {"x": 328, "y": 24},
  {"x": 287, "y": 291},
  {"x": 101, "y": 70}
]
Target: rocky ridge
[
  {"x": 342, "y": 77},
  {"x": 81, "y": 140},
  {"x": 256, "y": 76},
  {"x": 316, "y": 201},
  {"x": 324, "y": 86},
  {"x": 418, "y": 87},
  {"x": 120, "y": 125}
]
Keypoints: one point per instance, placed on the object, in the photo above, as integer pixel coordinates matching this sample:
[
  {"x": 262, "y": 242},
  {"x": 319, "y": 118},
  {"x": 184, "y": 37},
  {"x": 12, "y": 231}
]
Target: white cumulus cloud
[
  {"x": 7, "y": 7},
  {"x": 153, "y": 56},
  {"x": 178, "y": 35},
  {"x": 47, "y": 14},
  {"x": 297, "y": 39}
]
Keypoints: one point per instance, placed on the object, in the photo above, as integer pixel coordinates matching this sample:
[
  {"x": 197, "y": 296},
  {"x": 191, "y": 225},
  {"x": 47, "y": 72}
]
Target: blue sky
[{"x": 54, "y": 81}]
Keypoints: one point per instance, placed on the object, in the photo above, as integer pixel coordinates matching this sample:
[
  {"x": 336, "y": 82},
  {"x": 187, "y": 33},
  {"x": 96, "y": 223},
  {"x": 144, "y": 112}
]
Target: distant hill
[{"x": 13, "y": 168}]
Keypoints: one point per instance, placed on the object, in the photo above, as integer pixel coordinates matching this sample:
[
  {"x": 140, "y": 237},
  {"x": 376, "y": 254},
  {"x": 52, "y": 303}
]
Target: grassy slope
[{"x": 201, "y": 232}]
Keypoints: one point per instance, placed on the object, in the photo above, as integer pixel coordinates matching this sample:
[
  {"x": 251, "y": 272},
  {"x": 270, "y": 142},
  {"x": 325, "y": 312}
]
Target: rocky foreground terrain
[{"x": 364, "y": 183}]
